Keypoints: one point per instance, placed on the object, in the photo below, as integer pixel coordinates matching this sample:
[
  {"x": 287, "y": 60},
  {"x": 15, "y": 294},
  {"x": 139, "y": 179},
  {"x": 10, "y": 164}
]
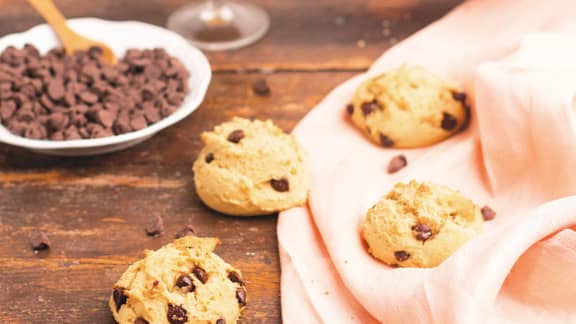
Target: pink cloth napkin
[{"x": 517, "y": 61}]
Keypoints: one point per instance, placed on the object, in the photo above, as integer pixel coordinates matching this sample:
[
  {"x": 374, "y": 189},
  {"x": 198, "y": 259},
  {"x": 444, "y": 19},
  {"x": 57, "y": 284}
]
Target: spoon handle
[{"x": 54, "y": 17}]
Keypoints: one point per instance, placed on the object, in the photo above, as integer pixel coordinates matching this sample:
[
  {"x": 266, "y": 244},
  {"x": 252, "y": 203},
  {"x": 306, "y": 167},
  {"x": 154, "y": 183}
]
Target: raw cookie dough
[
  {"x": 420, "y": 224},
  {"x": 408, "y": 107},
  {"x": 182, "y": 282},
  {"x": 250, "y": 168}
]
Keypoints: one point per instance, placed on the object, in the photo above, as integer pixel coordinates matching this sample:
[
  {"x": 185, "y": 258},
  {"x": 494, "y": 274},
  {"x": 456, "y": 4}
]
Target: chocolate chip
[
  {"x": 221, "y": 321},
  {"x": 184, "y": 281},
  {"x": 280, "y": 185},
  {"x": 56, "y": 90},
  {"x": 401, "y": 255},
  {"x": 102, "y": 117},
  {"x": 423, "y": 231},
  {"x": 386, "y": 141},
  {"x": 350, "y": 108},
  {"x": 459, "y": 96},
  {"x": 138, "y": 122},
  {"x": 155, "y": 226},
  {"x": 260, "y": 87},
  {"x": 448, "y": 122},
  {"x": 236, "y": 136},
  {"x": 188, "y": 230},
  {"x": 235, "y": 277},
  {"x": 39, "y": 241},
  {"x": 88, "y": 97},
  {"x": 241, "y": 296},
  {"x": 209, "y": 157},
  {"x": 200, "y": 274},
  {"x": 140, "y": 320},
  {"x": 369, "y": 107},
  {"x": 176, "y": 314},
  {"x": 488, "y": 213},
  {"x": 397, "y": 163},
  {"x": 119, "y": 297}
]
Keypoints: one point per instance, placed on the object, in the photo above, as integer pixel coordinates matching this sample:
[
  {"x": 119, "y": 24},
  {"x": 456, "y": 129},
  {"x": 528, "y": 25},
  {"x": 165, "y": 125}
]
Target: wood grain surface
[{"x": 95, "y": 209}]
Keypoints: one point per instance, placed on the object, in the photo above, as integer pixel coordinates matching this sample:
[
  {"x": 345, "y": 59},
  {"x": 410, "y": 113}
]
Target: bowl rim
[{"x": 182, "y": 112}]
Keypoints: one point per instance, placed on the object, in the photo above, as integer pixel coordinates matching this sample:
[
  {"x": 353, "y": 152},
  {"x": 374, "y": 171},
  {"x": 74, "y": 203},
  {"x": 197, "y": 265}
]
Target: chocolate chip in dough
[
  {"x": 155, "y": 227},
  {"x": 39, "y": 241},
  {"x": 459, "y": 96},
  {"x": 119, "y": 297},
  {"x": 200, "y": 274},
  {"x": 423, "y": 232},
  {"x": 221, "y": 321},
  {"x": 140, "y": 320},
  {"x": 184, "y": 281},
  {"x": 241, "y": 296},
  {"x": 397, "y": 163},
  {"x": 401, "y": 256},
  {"x": 350, "y": 109},
  {"x": 176, "y": 314},
  {"x": 188, "y": 230},
  {"x": 260, "y": 87},
  {"x": 280, "y": 185},
  {"x": 235, "y": 277},
  {"x": 369, "y": 107},
  {"x": 236, "y": 136},
  {"x": 209, "y": 158},
  {"x": 488, "y": 213},
  {"x": 386, "y": 141},
  {"x": 448, "y": 122}
]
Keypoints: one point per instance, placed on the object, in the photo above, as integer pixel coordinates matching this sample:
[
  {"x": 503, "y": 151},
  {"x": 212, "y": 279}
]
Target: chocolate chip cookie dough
[
  {"x": 408, "y": 107},
  {"x": 250, "y": 168},
  {"x": 420, "y": 225},
  {"x": 182, "y": 282}
]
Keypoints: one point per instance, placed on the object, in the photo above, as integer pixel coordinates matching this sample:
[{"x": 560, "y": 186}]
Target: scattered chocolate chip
[
  {"x": 155, "y": 283},
  {"x": 184, "y": 281},
  {"x": 221, "y": 321},
  {"x": 280, "y": 185},
  {"x": 235, "y": 277},
  {"x": 350, "y": 108},
  {"x": 401, "y": 255},
  {"x": 236, "y": 136},
  {"x": 369, "y": 107},
  {"x": 200, "y": 274},
  {"x": 140, "y": 320},
  {"x": 39, "y": 241},
  {"x": 241, "y": 296},
  {"x": 176, "y": 314},
  {"x": 209, "y": 157},
  {"x": 386, "y": 141},
  {"x": 448, "y": 122},
  {"x": 423, "y": 231},
  {"x": 188, "y": 230},
  {"x": 488, "y": 213},
  {"x": 397, "y": 163},
  {"x": 260, "y": 87},
  {"x": 155, "y": 227},
  {"x": 119, "y": 297},
  {"x": 459, "y": 96}
]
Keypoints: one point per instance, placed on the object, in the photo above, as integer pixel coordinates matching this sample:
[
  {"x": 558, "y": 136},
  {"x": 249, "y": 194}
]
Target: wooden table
[{"x": 95, "y": 209}]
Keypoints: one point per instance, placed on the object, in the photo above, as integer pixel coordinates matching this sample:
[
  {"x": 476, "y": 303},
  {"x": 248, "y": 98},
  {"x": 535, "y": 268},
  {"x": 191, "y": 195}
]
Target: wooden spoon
[{"x": 72, "y": 41}]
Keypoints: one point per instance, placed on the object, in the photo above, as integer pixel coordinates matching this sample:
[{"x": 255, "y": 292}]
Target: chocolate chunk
[
  {"x": 241, "y": 296},
  {"x": 236, "y": 136},
  {"x": 448, "y": 122},
  {"x": 200, "y": 274},
  {"x": 102, "y": 117},
  {"x": 188, "y": 230},
  {"x": 39, "y": 241},
  {"x": 184, "y": 281},
  {"x": 221, "y": 321},
  {"x": 209, "y": 158},
  {"x": 280, "y": 185},
  {"x": 55, "y": 90},
  {"x": 423, "y": 231},
  {"x": 459, "y": 96},
  {"x": 350, "y": 109},
  {"x": 140, "y": 320},
  {"x": 58, "y": 121},
  {"x": 369, "y": 107},
  {"x": 386, "y": 141},
  {"x": 176, "y": 314},
  {"x": 119, "y": 297},
  {"x": 397, "y": 163},
  {"x": 235, "y": 277},
  {"x": 260, "y": 87},
  {"x": 88, "y": 97},
  {"x": 138, "y": 122},
  {"x": 488, "y": 213},
  {"x": 401, "y": 255},
  {"x": 155, "y": 226}
]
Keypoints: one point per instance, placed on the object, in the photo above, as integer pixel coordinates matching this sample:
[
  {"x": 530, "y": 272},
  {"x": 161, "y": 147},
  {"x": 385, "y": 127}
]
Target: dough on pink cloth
[{"x": 517, "y": 61}]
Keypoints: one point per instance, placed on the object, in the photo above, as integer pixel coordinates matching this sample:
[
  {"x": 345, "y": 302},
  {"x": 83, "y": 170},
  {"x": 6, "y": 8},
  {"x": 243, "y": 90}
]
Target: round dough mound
[
  {"x": 408, "y": 107},
  {"x": 182, "y": 282},
  {"x": 420, "y": 225},
  {"x": 250, "y": 168}
]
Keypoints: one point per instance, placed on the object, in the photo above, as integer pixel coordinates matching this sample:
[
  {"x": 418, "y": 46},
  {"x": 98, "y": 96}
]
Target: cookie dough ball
[
  {"x": 182, "y": 282},
  {"x": 408, "y": 107},
  {"x": 420, "y": 225},
  {"x": 250, "y": 168}
]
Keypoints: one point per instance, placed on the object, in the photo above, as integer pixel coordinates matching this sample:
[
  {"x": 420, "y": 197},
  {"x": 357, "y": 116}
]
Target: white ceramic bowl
[{"x": 120, "y": 36}]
